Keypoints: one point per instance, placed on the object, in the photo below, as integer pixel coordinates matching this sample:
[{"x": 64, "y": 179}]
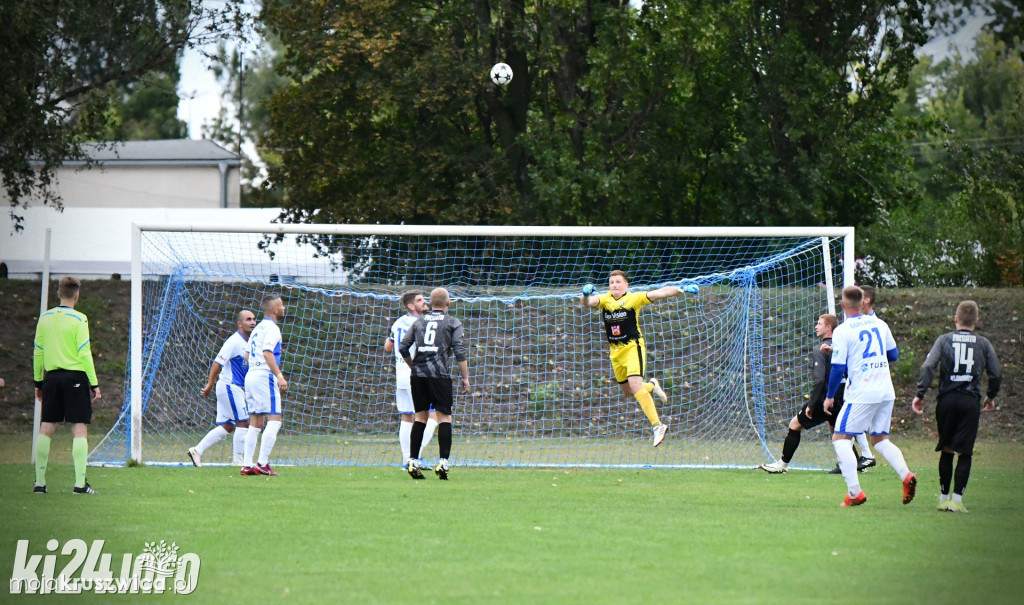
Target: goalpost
[{"x": 734, "y": 358}]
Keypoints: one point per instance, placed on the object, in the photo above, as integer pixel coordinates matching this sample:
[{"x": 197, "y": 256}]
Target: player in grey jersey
[
  {"x": 961, "y": 358},
  {"x": 436, "y": 335}
]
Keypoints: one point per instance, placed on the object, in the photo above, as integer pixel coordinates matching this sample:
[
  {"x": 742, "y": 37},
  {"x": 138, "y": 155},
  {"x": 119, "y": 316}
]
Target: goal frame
[{"x": 136, "y": 341}]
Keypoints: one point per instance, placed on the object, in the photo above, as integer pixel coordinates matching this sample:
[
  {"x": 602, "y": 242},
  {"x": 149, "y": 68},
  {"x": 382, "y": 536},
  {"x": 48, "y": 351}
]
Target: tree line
[{"x": 748, "y": 112}]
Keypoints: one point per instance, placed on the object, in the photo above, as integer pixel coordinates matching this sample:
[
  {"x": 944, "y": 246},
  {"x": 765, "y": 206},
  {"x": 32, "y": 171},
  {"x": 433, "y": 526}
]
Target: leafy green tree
[
  {"x": 969, "y": 153},
  {"x": 62, "y": 60},
  {"x": 749, "y": 112},
  {"x": 988, "y": 171},
  {"x": 146, "y": 109}
]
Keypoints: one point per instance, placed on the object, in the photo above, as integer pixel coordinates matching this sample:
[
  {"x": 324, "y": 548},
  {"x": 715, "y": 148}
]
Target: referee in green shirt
[{"x": 65, "y": 382}]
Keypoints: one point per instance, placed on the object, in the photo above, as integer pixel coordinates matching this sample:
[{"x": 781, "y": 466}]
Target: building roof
[{"x": 175, "y": 151}]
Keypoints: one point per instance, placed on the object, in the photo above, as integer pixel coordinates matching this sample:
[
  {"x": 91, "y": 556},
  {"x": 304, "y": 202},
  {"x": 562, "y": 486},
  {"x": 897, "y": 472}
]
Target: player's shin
[
  {"x": 238, "y": 443},
  {"x": 945, "y": 472},
  {"x": 416, "y": 437},
  {"x": 268, "y": 441},
  {"x": 216, "y": 434},
  {"x": 647, "y": 405},
  {"x": 893, "y": 456},
  {"x": 848, "y": 465},
  {"x": 404, "y": 435},
  {"x": 790, "y": 444},
  {"x": 80, "y": 454},
  {"x": 42, "y": 458},
  {"x": 252, "y": 436},
  {"x": 428, "y": 434},
  {"x": 962, "y": 473},
  {"x": 444, "y": 440}
]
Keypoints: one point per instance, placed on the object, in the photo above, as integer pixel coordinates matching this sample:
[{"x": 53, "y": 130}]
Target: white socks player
[
  {"x": 405, "y": 430},
  {"x": 214, "y": 436}
]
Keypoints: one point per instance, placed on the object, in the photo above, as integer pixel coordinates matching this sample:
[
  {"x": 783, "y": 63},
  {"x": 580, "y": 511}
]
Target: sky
[
  {"x": 199, "y": 92},
  {"x": 201, "y": 100}
]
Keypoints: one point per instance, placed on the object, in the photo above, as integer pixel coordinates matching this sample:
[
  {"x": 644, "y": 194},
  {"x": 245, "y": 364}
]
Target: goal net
[{"x": 734, "y": 358}]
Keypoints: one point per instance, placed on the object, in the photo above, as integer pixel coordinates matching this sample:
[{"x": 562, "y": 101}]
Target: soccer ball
[{"x": 501, "y": 74}]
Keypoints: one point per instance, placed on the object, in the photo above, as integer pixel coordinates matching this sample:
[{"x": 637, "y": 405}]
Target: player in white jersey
[
  {"x": 862, "y": 349},
  {"x": 264, "y": 384},
  {"x": 228, "y": 372},
  {"x": 413, "y": 302}
]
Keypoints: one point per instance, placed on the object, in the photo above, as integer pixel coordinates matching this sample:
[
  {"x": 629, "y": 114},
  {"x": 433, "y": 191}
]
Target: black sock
[
  {"x": 962, "y": 473},
  {"x": 790, "y": 444},
  {"x": 444, "y": 439},
  {"x": 945, "y": 471},
  {"x": 416, "y": 437}
]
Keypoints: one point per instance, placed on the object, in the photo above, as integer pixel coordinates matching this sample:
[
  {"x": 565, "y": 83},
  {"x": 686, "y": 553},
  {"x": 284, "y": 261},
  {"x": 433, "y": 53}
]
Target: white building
[
  {"x": 179, "y": 173},
  {"x": 182, "y": 181}
]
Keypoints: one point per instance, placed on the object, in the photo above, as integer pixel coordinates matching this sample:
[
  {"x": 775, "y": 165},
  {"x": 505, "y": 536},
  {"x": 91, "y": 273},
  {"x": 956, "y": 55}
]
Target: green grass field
[{"x": 373, "y": 535}]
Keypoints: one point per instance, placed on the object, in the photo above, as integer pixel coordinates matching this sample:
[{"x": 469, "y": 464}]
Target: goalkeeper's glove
[
  {"x": 588, "y": 289},
  {"x": 691, "y": 288}
]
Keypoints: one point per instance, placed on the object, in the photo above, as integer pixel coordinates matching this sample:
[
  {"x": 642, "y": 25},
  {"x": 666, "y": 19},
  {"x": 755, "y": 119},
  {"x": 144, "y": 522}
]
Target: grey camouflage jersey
[
  {"x": 436, "y": 335},
  {"x": 961, "y": 358}
]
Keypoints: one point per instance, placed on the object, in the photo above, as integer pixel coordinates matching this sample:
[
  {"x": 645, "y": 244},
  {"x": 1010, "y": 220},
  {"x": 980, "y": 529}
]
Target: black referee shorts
[
  {"x": 957, "y": 415},
  {"x": 67, "y": 397},
  {"x": 431, "y": 391}
]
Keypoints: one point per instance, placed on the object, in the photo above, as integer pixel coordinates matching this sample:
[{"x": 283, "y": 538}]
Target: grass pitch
[{"x": 373, "y": 535}]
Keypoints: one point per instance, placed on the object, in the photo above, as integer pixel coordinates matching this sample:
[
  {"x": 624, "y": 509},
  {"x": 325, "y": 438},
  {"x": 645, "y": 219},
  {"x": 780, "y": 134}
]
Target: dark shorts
[
  {"x": 957, "y": 415},
  {"x": 428, "y": 392},
  {"x": 819, "y": 415},
  {"x": 67, "y": 397}
]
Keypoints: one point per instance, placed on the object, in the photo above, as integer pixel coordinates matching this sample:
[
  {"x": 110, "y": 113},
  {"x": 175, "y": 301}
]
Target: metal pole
[
  {"x": 44, "y": 301},
  {"x": 135, "y": 330},
  {"x": 826, "y": 254}
]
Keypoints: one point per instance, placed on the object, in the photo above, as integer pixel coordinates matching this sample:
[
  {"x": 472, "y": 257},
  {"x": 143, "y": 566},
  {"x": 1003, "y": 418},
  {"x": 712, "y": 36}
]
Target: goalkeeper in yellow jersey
[{"x": 620, "y": 310}]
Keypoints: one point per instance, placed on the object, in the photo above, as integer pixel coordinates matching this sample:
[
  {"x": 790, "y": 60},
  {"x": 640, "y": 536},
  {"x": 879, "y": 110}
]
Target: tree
[
  {"x": 987, "y": 172},
  {"x": 62, "y": 61},
  {"x": 967, "y": 228},
  {"x": 751, "y": 112},
  {"x": 146, "y": 109}
]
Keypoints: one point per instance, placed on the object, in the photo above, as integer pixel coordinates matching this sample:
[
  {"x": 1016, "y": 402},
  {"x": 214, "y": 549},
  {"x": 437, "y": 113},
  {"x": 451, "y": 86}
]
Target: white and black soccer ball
[{"x": 501, "y": 74}]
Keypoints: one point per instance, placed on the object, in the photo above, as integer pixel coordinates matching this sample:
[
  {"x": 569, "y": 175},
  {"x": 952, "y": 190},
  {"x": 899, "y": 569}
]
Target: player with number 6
[{"x": 426, "y": 347}]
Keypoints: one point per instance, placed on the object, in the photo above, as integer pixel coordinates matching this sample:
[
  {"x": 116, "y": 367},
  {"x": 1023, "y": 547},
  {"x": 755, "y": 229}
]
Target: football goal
[{"x": 734, "y": 358}]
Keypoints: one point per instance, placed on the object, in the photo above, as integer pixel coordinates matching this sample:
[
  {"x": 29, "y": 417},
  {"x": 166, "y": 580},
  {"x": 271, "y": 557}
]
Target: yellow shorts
[{"x": 629, "y": 360}]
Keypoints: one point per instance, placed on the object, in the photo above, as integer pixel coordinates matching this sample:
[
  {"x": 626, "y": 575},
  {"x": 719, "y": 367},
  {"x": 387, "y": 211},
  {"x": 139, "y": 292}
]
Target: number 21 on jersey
[{"x": 864, "y": 334}]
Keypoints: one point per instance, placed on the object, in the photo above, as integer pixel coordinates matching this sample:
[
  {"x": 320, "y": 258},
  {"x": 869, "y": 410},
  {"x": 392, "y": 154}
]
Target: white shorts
[
  {"x": 403, "y": 401},
  {"x": 230, "y": 403},
  {"x": 261, "y": 393},
  {"x": 872, "y": 418}
]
